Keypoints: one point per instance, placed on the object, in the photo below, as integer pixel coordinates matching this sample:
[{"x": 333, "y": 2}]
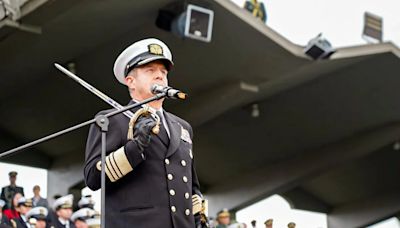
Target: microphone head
[{"x": 155, "y": 89}]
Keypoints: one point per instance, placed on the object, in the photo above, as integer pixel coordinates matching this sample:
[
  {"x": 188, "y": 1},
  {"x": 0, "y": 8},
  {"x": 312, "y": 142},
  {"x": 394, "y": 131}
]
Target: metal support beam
[{"x": 216, "y": 101}]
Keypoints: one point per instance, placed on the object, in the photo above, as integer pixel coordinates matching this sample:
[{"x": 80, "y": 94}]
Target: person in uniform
[
  {"x": 291, "y": 225},
  {"x": 8, "y": 192},
  {"x": 268, "y": 223},
  {"x": 38, "y": 201},
  {"x": 80, "y": 216},
  {"x": 223, "y": 218},
  {"x": 63, "y": 210},
  {"x": 3, "y": 218},
  {"x": 24, "y": 206},
  {"x": 151, "y": 178},
  {"x": 37, "y": 217},
  {"x": 256, "y": 8}
]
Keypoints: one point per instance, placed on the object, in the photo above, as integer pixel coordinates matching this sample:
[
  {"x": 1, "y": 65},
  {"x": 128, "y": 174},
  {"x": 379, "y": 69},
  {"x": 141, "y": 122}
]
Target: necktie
[{"x": 163, "y": 133}]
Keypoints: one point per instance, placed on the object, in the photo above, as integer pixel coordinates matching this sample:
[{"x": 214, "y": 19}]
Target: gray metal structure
[{"x": 323, "y": 140}]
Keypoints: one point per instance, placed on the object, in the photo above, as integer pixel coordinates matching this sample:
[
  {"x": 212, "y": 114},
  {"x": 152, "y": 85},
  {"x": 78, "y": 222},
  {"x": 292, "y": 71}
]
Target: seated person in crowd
[
  {"x": 223, "y": 218},
  {"x": 24, "y": 206},
  {"x": 37, "y": 217},
  {"x": 63, "y": 210},
  {"x": 80, "y": 216}
]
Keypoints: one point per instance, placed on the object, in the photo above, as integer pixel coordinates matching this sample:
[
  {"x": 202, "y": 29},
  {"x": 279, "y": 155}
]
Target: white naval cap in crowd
[
  {"x": 25, "y": 202},
  {"x": 83, "y": 214},
  {"x": 86, "y": 201},
  {"x": 93, "y": 222},
  {"x": 139, "y": 53},
  {"x": 37, "y": 213},
  {"x": 63, "y": 202}
]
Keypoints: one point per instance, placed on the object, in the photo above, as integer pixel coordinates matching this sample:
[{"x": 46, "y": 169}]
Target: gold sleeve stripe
[
  {"x": 98, "y": 166},
  {"x": 117, "y": 165},
  {"x": 122, "y": 161},
  {"x": 109, "y": 174},
  {"x": 114, "y": 165},
  {"x": 111, "y": 168}
]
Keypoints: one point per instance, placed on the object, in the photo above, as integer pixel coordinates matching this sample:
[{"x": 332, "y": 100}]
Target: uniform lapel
[
  {"x": 22, "y": 222},
  {"x": 163, "y": 135},
  {"x": 175, "y": 134}
]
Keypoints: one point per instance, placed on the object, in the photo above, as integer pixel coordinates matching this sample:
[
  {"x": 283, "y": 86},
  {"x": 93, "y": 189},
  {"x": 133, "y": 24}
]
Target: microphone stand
[{"x": 102, "y": 122}]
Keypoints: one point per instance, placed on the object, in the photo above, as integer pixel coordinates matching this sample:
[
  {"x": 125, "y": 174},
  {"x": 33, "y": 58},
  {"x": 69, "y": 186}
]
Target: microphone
[{"x": 169, "y": 91}]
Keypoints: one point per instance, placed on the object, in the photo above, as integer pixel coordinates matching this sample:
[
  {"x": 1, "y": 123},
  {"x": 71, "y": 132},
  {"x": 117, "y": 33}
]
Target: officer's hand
[{"x": 142, "y": 132}]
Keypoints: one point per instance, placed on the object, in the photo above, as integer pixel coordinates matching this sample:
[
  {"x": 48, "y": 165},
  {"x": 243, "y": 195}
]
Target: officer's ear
[{"x": 130, "y": 80}]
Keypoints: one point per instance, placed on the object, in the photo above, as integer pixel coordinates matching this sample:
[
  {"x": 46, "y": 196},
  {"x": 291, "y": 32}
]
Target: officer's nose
[{"x": 159, "y": 75}]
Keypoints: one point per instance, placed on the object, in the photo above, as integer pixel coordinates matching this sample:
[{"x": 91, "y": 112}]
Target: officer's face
[
  {"x": 64, "y": 213},
  {"x": 24, "y": 210},
  {"x": 143, "y": 77},
  {"x": 13, "y": 179},
  {"x": 40, "y": 224},
  {"x": 225, "y": 220},
  {"x": 80, "y": 224}
]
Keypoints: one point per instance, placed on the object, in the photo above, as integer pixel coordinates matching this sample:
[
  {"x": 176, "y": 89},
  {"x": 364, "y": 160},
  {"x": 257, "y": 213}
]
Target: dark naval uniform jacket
[
  {"x": 57, "y": 224},
  {"x": 7, "y": 194},
  {"x": 18, "y": 223},
  {"x": 148, "y": 190}
]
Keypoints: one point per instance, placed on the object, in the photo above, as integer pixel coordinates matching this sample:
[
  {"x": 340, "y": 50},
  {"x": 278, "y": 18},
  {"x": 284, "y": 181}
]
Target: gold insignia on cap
[
  {"x": 28, "y": 203},
  {"x": 155, "y": 49},
  {"x": 41, "y": 211}
]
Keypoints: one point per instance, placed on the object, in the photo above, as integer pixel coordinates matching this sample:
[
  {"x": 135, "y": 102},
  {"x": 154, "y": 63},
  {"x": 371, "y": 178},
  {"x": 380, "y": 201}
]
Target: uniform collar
[
  {"x": 63, "y": 221},
  {"x": 153, "y": 109}
]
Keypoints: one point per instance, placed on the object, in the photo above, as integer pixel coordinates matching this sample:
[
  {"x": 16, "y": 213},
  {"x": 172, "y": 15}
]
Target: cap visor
[{"x": 152, "y": 58}]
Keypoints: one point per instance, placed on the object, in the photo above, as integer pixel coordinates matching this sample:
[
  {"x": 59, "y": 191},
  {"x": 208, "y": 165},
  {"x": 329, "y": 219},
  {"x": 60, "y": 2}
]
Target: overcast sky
[{"x": 340, "y": 21}]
